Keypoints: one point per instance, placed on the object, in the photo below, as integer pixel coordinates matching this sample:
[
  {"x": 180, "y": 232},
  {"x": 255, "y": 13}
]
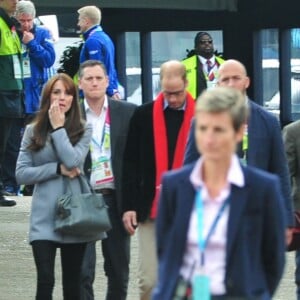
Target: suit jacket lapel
[
  {"x": 187, "y": 192},
  {"x": 201, "y": 75},
  {"x": 113, "y": 110},
  {"x": 252, "y": 128},
  {"x": 238, "y": 200}
]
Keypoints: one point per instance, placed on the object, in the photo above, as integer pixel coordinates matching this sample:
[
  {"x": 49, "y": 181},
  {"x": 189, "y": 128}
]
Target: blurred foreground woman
[{"x": 220, "y": 225}]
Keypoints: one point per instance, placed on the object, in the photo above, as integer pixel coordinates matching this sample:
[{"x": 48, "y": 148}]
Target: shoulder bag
[{"x": 83, "y": 214}]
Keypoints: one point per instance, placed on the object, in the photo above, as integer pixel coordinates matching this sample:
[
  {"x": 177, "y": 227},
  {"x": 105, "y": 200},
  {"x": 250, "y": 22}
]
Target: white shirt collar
[
  {"x": 235, "y": 174},
  {"x": 203, "y": 60},
  {"x": 88, "y": 109}
]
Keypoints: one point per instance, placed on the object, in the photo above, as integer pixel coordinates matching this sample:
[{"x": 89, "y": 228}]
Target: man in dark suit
[
  {"x": 291, "y": 139},
  {"x": 156, "y": 142},
  {"x": 104, "y": 166},
  {"x": 262, "y": 146}
]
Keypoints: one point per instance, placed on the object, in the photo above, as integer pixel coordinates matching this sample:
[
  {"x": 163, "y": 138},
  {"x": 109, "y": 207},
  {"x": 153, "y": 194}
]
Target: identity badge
[
  {"x": 17, "y": 67},
  {"x": 26, "y": 67},
  {"x": 200, "y": 287},
  {"x": 102, "y": 171}
]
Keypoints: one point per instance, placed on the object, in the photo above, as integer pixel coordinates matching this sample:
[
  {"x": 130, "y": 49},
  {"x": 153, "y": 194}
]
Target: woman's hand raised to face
[{"x": 56, "y": 115}]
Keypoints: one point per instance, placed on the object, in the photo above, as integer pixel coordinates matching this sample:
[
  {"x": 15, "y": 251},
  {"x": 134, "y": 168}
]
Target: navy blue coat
[
  {"x": 255, "y": 250},
  {"x": 265, "y": 151}
]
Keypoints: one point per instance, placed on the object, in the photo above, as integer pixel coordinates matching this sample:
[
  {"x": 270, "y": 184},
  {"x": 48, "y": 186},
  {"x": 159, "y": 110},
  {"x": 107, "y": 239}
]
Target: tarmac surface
[{"x": 17, "y": 269}]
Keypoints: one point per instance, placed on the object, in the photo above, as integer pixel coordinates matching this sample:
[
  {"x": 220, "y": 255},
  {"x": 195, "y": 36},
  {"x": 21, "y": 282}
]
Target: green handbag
[{"x": 83, "y": 214}]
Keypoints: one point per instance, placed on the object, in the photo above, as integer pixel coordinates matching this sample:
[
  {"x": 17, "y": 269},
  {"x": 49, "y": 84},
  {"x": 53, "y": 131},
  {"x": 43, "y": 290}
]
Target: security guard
[{"x": 202, "y": 65}]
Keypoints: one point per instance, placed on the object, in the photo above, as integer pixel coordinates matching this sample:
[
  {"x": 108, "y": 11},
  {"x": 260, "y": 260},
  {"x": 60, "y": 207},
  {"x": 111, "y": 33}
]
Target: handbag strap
[{"x": 82, "y": 181}]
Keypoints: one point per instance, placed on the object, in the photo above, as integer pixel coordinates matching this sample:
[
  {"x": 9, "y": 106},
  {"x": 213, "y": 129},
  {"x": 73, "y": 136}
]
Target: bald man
[
  {"x": 263, "y": 146},
  {"x": 156, "y": 143}
]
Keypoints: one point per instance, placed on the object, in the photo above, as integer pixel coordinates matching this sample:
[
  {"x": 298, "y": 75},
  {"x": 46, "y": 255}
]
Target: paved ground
[{"x": 17, "y": 270}]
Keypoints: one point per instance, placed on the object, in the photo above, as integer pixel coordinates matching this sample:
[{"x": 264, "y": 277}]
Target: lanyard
[
  {"x": 245, "y": 145},
  {"x": 105, "y": 140},
  {"x": 200, "y": 221}
]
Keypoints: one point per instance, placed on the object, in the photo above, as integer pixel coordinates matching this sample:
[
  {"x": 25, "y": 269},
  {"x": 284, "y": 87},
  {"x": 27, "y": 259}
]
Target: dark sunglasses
[{"x": 205, "y": 41}]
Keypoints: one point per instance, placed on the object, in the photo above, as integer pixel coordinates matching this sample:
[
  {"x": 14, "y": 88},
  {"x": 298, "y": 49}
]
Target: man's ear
[{"x": 247, "y": 82}]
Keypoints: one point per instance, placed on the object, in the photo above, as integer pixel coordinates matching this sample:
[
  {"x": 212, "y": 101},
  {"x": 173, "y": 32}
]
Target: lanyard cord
[
  {"x": 105, "y": 131},
  {"x": 200, "y": 218},
  {"x": 245, "y": 144}
]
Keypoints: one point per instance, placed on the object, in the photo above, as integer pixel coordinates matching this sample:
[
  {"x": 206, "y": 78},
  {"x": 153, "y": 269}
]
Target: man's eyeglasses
[{"x": 205, "y": 41}]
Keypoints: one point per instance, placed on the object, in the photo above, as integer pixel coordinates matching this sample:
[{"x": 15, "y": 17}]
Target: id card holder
[
  {"x": 26, "y": 67},
  {"x": 211, "y": 84},
  {"x": 243, "y": 161},
  {"x": 200, "y": 287},
  {"x": 102, "y": 171},
  {"x": 17, "y": 67}
]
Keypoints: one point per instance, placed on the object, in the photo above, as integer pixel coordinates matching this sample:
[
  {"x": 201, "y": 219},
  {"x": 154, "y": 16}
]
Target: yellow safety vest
[
  {"x": 10, "y": 46},
  {"x": 191, "y": 72}
]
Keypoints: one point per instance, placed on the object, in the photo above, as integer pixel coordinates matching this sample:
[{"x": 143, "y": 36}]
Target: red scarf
[{"x": 161, "y": 143}]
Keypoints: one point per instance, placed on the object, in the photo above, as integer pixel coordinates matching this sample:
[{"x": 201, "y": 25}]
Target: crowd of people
[{"x": 201, "y": 173}]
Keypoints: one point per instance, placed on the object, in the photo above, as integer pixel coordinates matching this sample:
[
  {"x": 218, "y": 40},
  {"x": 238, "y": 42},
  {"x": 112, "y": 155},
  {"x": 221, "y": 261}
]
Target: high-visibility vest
[
  {"x": 191, "y": 72},
  {"x": 10, "y": 47}
]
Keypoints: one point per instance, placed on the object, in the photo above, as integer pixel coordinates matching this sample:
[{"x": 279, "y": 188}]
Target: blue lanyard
[{"x": 200, "y": 221}]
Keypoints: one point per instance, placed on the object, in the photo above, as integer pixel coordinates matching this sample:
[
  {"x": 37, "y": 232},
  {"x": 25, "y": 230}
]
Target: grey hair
[
  {"x": 25, "y": 7},
  {"x": 224, "y": 99}
]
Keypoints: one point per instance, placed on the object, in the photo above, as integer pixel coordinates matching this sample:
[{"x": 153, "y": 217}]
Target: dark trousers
[
  {"x": 44, "y": 253},
  {"x": 11, "y": 154},
  {"x": 116, "y": 253},
  {"x": 5, "y": 128}
]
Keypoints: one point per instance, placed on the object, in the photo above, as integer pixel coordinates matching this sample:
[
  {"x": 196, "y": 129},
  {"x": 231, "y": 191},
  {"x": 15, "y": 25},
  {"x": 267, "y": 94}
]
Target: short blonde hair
[
  {"x": 224, "y": 99},
  {"x": 91, "y": 12}
]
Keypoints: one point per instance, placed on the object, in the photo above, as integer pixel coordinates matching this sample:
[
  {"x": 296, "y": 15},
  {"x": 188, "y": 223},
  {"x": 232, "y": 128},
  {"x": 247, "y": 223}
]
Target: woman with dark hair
[{"x": 54, "y": 147}]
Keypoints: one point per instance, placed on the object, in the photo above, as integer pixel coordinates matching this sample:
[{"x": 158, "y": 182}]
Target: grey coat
[
  {"x": 39, "y": 168},
  {"x": 291, "y": 138}
]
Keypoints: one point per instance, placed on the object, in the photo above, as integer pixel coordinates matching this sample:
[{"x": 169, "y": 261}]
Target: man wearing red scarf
[{"x": 156, "y": 143}]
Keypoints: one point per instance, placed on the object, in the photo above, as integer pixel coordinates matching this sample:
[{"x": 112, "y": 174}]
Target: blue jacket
[
  {"x": 99, "y": 46},
  {"x": 42, "y": 56},
  {"x": 255, "y": 248},
  {"x": 265, "y": 151}
]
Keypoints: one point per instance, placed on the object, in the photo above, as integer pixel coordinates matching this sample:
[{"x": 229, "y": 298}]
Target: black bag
[
  {"x": 295, "y": 244},
  {"x": 81, "y": 214}
]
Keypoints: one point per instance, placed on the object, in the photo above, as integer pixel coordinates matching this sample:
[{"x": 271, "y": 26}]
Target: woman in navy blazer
[{"x": 220, "y": 225}]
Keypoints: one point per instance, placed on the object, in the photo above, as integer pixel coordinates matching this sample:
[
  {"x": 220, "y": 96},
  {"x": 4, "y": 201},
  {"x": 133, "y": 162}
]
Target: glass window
[
  {"x": 271, "y": 71},
  {"x": 133, "y": 68},
  {"x": 270, "y": 65},
  {"x": 165, "y": 46},
  {"x": 168, "y": 45},
  {"x": 295, "y": 72}
]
